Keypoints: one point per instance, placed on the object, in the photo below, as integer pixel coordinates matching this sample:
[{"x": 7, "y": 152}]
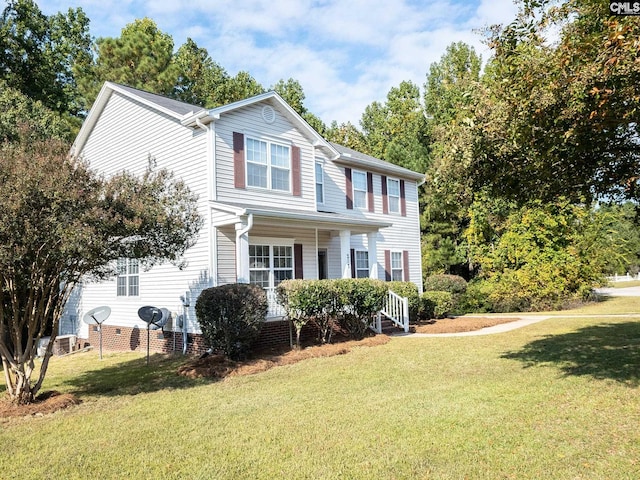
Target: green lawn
[{"x": 559, "y": 399}]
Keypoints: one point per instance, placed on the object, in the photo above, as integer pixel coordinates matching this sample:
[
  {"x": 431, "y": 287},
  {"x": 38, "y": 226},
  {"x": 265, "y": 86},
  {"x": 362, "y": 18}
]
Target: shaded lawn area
[{"x": 487, "y": 407}]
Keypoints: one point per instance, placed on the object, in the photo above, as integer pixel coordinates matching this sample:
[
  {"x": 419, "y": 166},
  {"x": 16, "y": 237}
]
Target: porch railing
[
  {"x": 275, "y": 308},
  {"x": 396, "y": 309}
]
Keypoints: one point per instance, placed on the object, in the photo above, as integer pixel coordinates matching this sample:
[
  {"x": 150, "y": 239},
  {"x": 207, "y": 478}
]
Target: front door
[{"x": 322, "y": 264}]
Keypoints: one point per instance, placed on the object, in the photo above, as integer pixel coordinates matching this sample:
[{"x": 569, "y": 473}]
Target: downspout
[{"x": 239, "y": 233}]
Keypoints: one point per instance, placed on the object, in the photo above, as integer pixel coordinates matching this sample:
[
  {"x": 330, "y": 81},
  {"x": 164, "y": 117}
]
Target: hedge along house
[{"x": 279, "y": 202}]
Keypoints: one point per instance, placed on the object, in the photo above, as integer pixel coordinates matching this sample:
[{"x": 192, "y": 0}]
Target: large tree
[
  {"x": 59, "y": 222},
  {"x": 452, "y": 90},
  {"x": 396, "y": 130},
  {"x": 560, "y": 118},
  {"x": 38, "y": 53},
  {"x": 200, "y": 80},
  {"x": 142, "y": 57}
]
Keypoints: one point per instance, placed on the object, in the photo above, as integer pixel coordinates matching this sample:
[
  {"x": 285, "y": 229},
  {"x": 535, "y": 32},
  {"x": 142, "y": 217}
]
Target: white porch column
[
  {"x": 372, "y": 242},
  {"x": 242, "y": 251},
  {"x": 345, "y": 253}
]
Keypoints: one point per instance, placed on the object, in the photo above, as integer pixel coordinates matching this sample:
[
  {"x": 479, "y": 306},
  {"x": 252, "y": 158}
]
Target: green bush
[
  {"x": 231, "y": 317},
  {"x": 436, "y": 304},
  {"x": 476, "y": 299},
  {"x": 409, "y": 290},
  {"x": 310, "y": 300},
  {"x": 361, "y": 300},
  {"x": 445, "y": 283}
]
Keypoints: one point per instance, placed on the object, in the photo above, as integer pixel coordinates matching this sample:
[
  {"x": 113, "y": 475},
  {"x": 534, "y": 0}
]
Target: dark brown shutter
[
  {"x": 405, "y": 264},
  {"x": 353, "y": 263},
  {"x": 238, "y": 160},
  {"x": 385, "y": 199},
  {"x": 387, "y": 265},
  {"x": 295, "y": 171},
  {"x": 403, "y": 201},
  {"x": 370, "y": 192},
  {"x": 297, "y": 260},
  {"x": 348, "y": 188}
]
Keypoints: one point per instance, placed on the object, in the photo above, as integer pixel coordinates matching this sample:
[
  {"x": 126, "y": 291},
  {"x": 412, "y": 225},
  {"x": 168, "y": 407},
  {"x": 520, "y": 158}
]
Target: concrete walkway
[
  {"x": 619, "y": 292},
  {"x": 523, "y": 321},
  {"x": 503, "y": 327}
]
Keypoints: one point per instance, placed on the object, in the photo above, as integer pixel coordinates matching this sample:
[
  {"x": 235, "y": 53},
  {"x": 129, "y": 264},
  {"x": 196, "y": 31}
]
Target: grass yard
[
  {"x": 631, "y": 283},
  {"x": 559, "y": 399}
]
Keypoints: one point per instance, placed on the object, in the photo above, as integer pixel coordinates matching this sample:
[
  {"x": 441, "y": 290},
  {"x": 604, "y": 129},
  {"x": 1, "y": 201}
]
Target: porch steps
[{"x": 389, "y": 327}]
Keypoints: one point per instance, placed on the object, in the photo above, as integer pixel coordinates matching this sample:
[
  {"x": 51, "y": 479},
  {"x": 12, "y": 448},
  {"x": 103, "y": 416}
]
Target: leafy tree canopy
[{"x": 38, "y": 52}]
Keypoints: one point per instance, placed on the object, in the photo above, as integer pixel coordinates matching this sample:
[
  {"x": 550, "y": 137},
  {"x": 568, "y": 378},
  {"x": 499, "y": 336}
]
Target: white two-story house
[{"x": 278, "y": 202}]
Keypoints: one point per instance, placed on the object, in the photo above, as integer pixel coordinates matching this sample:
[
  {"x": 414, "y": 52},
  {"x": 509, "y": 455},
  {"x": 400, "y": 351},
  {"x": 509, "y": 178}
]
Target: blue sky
[{"x": 345, "y": 53}]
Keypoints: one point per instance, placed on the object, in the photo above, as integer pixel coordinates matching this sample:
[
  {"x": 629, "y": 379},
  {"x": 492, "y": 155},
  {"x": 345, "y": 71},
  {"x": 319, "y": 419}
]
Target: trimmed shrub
[
  {"x": 361, "y": 301},
  {"x": 409, "y": 290},
  {"x": 445, "y": 283},
  {"x": 437, "y": 304},
  {"x": 310, "y": 300},
  {"x": 231, "y": 317}
]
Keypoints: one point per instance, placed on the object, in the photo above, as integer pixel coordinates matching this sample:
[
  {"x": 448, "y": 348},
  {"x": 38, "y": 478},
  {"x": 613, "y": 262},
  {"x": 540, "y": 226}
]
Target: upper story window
[
  {"x": 393, "y": 193},
  {"x": 359, "y": 180},
  {"x": 362, "y": 264},
  {"x": 319, "y": 183},
  {"x": 397, "y": 269},
  {"x": 128, "y": 279},
  {"x": 268, "y": 165}
]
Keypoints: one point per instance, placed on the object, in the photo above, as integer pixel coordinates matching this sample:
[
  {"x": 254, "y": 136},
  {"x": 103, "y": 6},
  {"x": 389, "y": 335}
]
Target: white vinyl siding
[
  {"x": 359, "y": 180},
  {"x": 126, "y": 134}
]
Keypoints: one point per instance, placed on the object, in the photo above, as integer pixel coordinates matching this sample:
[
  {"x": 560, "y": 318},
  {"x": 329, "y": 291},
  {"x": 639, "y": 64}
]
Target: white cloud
[{"x": 344, "y": 54}]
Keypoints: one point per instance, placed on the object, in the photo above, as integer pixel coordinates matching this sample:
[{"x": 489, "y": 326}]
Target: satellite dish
[
  {"x": 155, "y": 318},
  {"x": 150, "y": 314},
  {"x": 166, "y": 314},
  {"x": 97, "y": 316}
]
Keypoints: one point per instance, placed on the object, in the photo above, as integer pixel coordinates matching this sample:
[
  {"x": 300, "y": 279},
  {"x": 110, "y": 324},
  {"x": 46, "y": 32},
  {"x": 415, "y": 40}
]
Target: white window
[
  {"x": 393, "y": 194},
  {"x": 270, "y": 264},
  {"x": 397, "y": 272},
  {"x": 319, "y": 183},
  {"x": 362, "y": 264},
  {"x": 359, "y": 180},
  {"x": 268, "y": 165},
  {"x": 128, "y": 280}
]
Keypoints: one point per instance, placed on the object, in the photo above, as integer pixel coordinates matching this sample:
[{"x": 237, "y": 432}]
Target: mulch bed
[
  {"x": 46, "y": 402},
  {"x": 461, "y": 324},
  {"x": 220, "y": 367}
]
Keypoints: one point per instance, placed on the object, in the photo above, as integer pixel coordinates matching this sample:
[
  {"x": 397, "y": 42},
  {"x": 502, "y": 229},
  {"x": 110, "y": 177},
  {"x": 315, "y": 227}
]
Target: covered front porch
[{"x": 267, "y": 245}]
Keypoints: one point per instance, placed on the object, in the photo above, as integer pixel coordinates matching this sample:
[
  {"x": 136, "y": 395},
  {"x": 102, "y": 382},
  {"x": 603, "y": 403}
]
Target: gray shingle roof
[{"x": 179, "y": 108}]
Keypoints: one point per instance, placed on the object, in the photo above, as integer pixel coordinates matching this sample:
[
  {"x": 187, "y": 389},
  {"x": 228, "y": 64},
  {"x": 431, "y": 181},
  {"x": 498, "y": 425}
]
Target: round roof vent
[{"x": 268, "y": 114}]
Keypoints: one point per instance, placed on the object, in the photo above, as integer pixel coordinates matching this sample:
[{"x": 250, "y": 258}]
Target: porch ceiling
[{"x": 303, "y": 219}]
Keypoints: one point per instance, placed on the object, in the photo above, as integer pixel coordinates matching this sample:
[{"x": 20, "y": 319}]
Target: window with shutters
[
  {"x": 397, "y": 266},
  {"x": 359, "y": 180},
  {"x": 270, "y": 264},
  {"x": 393, "y": 195},
  {"x": 268, "y": 165},
  {"x": 128, "y": 277}
]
